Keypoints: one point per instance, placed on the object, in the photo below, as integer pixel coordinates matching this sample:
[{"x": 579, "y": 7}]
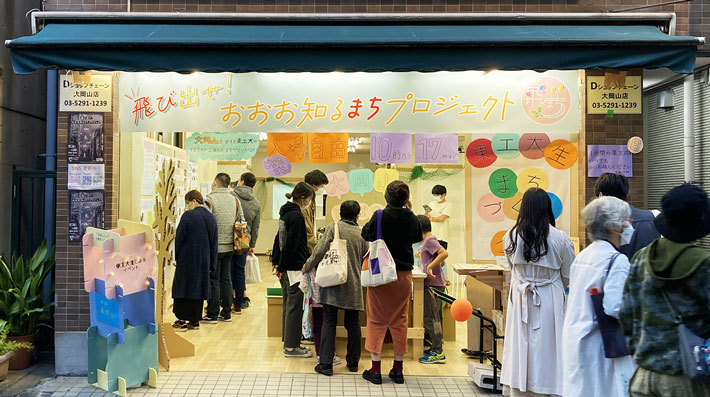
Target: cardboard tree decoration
[
  {"x": 119, "y": 270},
  {"x": 170, "y": 343}
]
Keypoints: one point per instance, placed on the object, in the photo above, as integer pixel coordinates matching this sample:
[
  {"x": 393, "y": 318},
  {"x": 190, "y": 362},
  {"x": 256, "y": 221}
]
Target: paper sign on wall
[
  {"x": 383, "y": 177},
  {"x": 361, "y": 181},
  {"x": 276, "y": 165},
  {"x": 337, "y": 184},
  {"x": 290, "y": 145},
  {"x": 86, "y": 138},
  {"x": 85, "y": 177},
  {"x": 221, "y": 146},
  {"x": 436, "y": 148},
  {"x": 390, "y": 148},
  {"x": 615, "y": 159},
  {"x": 85, "y": 92},
  {"x": 328, "y": 148},
  {"x": 86, "y": 209}
]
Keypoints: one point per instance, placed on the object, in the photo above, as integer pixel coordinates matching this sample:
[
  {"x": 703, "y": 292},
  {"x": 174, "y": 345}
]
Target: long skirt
[
  {"x": 188, "y": 309},
  {"x": 387, "y": 308}
]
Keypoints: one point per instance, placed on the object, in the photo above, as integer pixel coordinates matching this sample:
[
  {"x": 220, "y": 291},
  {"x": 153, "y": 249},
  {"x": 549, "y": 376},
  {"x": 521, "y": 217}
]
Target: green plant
[
  {"x": 21, "y": 292},
  {"x": 7, "y": 346}
]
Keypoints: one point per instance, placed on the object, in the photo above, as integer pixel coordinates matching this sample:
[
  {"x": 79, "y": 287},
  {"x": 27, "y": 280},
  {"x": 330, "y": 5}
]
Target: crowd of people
[{"x": 651, "y": 275}]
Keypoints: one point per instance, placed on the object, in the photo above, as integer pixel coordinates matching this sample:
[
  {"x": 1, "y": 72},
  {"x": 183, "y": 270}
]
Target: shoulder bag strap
[
  {"x": 678, "y": 317},
  {"x": 337, "y": 233},
  {"x": 379, "y": 224},
  {"x": 611, "y": 263}
]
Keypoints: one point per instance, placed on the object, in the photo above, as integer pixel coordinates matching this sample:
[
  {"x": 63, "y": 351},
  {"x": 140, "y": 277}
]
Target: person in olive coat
[{"x": 196, "y": 258}]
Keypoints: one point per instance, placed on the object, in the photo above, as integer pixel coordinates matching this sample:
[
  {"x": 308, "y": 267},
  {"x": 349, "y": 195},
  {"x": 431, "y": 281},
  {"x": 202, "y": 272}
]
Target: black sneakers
[
  {"x": 324, "y": 369},
  {"x": 209, "y": 320}
]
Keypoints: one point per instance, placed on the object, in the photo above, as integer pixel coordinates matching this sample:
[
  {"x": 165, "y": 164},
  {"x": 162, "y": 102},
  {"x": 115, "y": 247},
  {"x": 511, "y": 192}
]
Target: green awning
[{"x": 343, "y": 47}]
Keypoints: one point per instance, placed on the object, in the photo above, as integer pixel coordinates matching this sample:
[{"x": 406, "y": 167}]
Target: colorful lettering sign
[
  {"x": 221, "y": 146},
  {"x": 291, "y": 146},
  {"x": 337, "y": 184},
  {"x": 479, "y": 153},
  {"x": 383, "y": 177},
  {"x": 561, "y": 154},
  {"x": 615, "y": 159},
  {"x": 328, "y": 148},
  {"x": 400, "y": 102},
  {"x": 390, "y": 148},
  {"x": 532, "y": 146},
  {"x": 361, "y": 181},
  {"x": 436, "y": 148},
  {"x": 276, "y": 165}
]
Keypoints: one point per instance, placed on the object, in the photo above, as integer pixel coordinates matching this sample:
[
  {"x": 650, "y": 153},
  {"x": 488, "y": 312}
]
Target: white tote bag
[
  {"x": 333, "y": 269},
  {"x": 251, "y": 271},
  {"x": 378, "y": 268}
]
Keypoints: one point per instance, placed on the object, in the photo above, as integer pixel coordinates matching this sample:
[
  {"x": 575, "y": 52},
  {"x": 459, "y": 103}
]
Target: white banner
[{"x": 461, "y": 102}]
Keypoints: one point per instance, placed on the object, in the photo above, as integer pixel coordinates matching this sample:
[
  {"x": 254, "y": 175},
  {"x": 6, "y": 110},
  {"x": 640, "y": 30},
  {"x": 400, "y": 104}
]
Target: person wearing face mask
[
  {"x": 195, "y": 258},
  {"x": 586, "y": 371},
  {"x": 642, "y": 229},
  {"x": 291, "y": 253},
  {"x": 317, "y": 180},
  {"x": 439, "y": 212}
]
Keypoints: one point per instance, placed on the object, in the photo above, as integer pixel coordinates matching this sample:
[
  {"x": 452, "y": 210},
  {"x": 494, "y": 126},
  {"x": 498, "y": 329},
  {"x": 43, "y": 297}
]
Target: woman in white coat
[
  {"x": 586, "y": 371},
  {"x": 540, "y": 257}
]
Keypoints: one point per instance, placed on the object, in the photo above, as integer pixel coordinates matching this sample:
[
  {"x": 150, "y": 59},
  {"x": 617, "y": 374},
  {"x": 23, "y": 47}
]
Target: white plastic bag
[
  {"x": 379, "y": 267},
  {"x": 251, "y": 271},
  {"x": 333, "y": 269}
]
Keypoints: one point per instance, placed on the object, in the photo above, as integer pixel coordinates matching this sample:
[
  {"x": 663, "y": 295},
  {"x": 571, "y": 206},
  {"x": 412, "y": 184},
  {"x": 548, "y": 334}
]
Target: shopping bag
[
  {"x": 613, "y": 339},
  {"x": 240, "y": 235},
  {"x": 251, "y": 271},
  {"x": 333, "y": 269},
  {"x": 378, "y": 268}
]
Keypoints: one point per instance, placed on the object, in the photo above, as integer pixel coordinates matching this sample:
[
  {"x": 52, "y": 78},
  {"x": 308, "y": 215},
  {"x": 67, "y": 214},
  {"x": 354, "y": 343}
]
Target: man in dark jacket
[
  {"x": 250, "y": 211},
  {"x": 641, "y": 220},
  {"x": 669, "y": 276}
]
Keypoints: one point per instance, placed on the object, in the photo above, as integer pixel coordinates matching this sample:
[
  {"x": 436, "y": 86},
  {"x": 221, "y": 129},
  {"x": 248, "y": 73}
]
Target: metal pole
[
  {"x": 688, "y": 131},
  {"x": 50, "y": 164}
]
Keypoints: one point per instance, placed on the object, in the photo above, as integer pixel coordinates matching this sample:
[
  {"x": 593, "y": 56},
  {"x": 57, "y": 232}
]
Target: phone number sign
[
  {"x": 619, "y": 97},
  {"x": 84, "y": 92}
]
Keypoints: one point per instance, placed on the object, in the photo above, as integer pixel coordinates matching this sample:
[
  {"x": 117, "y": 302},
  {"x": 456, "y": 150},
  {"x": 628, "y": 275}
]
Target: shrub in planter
[
  {"x": 21, "y": 299},
  {"x": 7, "y": 349}
]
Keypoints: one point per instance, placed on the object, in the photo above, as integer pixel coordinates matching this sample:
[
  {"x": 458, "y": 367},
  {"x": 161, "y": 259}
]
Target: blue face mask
[{"x": 626, "y": 235}]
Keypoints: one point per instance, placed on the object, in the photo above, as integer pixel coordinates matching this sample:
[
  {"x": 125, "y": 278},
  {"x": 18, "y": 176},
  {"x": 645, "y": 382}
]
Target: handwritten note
[
  {"x": 361, "y": 181},
  {"x": 276, "y": 165},
  {"x": 390, "y": 148},
  {"x": 221, "y": 146},
  {"x": 328, "y": 148},
  {"x": 292, "y": 146},
  {"x": 383, "y": 177},
  {"x": 337, "y": 184},
  {"x": 436, "y": 148},
  {"x": 615, "y": 159}
]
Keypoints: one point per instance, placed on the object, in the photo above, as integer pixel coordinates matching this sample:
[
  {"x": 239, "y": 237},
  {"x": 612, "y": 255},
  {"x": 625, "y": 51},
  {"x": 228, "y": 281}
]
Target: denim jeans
[
  {"x": 238, "y": 277},
  {"x": 221, "y": 283}
]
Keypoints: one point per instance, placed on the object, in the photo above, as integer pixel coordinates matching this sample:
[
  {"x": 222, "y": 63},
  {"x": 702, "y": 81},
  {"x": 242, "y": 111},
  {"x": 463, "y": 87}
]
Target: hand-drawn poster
[
  {"x": 86, "y": 209},
  {"x": 507, "y": 165},
  {"x": 615, "y": 159},
  {"x": 86, "y": 138}
]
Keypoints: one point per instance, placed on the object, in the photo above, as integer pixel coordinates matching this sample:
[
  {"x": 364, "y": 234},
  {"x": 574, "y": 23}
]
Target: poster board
[{"x": 497, "y": 187}]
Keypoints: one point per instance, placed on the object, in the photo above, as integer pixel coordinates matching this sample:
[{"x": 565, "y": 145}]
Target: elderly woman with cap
[
  {"x": 388, "y": 305},
  {"x": 586, "y": 370},
  {"x": 669, "y": 278}
]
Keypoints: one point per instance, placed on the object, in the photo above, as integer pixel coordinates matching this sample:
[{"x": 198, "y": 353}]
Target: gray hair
[{"x": 603, "y": 214}]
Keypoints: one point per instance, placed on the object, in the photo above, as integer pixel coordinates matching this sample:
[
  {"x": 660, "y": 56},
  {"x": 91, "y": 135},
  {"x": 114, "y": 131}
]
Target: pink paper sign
[
  {"x": 337, "y": 184},
  {"x": 436, "y": 148},
  {"x": 276, "y": 165},
  {"x": 390, "y": 148}
]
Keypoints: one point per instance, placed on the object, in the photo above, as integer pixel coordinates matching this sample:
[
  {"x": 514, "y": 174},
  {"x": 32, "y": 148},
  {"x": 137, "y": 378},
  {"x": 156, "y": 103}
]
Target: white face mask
[
  {"x": 626, "y": 235},
  {"x": 438, "y": 199},
  {"x": 320, "y": 191}
]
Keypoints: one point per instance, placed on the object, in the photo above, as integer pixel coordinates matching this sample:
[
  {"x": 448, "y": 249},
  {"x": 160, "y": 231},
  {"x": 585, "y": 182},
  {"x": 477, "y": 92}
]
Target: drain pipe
[
  {"x": 50, "y": 164},
  {"x": 688, "y": 131}
]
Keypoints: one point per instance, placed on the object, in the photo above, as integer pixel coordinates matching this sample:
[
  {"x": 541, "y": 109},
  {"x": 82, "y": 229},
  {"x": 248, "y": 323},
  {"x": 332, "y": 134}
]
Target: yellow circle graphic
[
  {"x": 532, "y": 177},
  {"x": 511, "y": 206}
]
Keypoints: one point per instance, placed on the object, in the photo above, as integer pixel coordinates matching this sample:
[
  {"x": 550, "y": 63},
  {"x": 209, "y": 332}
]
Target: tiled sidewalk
[{"x": 256, "y": 384}]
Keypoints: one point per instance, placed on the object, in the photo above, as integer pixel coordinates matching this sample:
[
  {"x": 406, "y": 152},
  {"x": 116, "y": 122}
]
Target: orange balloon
[{"x": 461, "y": 309}]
